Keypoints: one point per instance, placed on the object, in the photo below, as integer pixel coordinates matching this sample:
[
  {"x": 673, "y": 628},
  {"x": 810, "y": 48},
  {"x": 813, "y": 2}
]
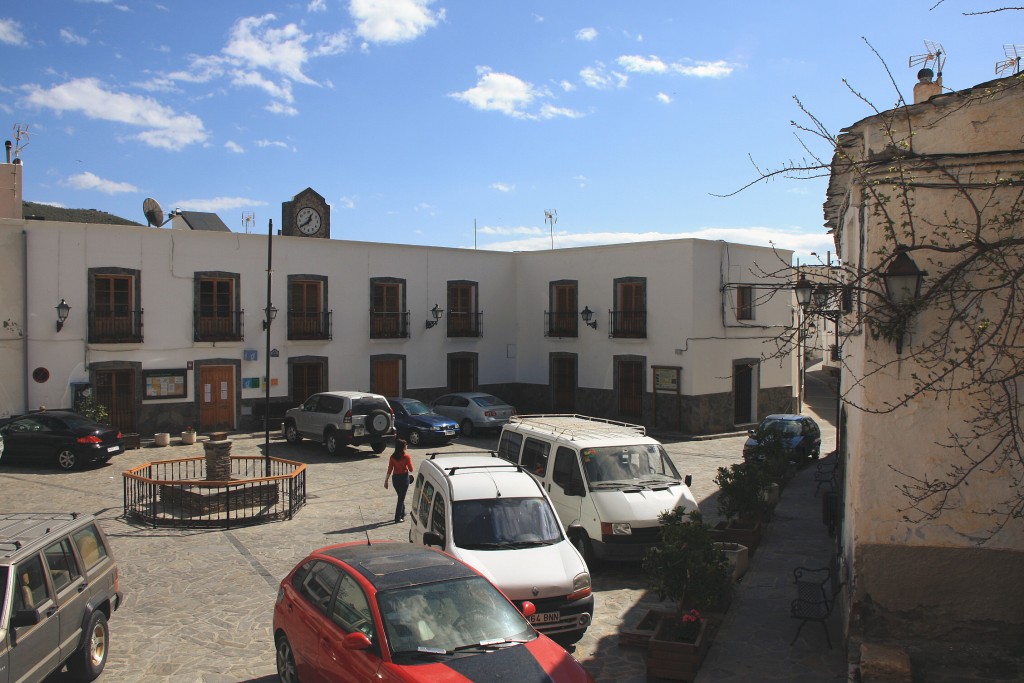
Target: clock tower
[{"x": 306, "y": 215}]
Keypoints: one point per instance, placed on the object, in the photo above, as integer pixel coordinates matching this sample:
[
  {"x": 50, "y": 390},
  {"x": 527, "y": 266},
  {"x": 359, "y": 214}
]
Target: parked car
[
  {"x": 474, "y": 410},
  {"x": 801, "y": 436},
  {"x": 494, "y": 516},
  {"x": 59, "y": 573},
  {"x": 59, "y": 437},
  {"x": 398, "y": 612},
  {"x": 417, "y": 424},
  {"x": 342, "y": 418}
]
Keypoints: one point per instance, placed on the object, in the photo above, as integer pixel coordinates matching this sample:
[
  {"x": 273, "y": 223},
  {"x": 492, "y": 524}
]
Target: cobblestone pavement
[{"x": 198, "y": 603}]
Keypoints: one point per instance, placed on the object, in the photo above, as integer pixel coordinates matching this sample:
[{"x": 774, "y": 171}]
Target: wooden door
[
  {"x": 216, "y": 398},
  {"x": 563, "y": 385},
  {"x": 387, "y": 376},
  {"x": 742, "y": 393},
  {"x": 630, "y": 375},
  {"x": 307, "y": 379},
  {"x": 461, "y": 373},
  {"x": 115, "y": 389}
]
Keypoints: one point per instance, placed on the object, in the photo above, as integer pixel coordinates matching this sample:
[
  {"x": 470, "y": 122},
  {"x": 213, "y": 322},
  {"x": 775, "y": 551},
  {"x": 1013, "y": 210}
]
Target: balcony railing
[
  {"x": 464, "y": 324},
  {"x": 115, "y": 326},
  {"x": 210, "y": 325},
  {"x": 309, "y": 325},
  {"x": 389, "y": 325},
  {"x": 628, "y": 324},
  {"x": 561, "y": 324}
]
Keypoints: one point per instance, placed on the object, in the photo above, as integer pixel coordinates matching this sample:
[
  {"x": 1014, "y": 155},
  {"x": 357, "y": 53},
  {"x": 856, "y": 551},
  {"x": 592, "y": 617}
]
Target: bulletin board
[{"x": 158, "y": 384}]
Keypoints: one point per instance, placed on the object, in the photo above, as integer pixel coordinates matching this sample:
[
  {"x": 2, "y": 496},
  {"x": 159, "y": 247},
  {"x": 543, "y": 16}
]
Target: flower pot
[
  {"x": 161, "y": 439},
  {"x": 673, "y": 659},
  {"x": 637, "y": 634},
  {"x": 132, "y": 440},
  {"x": 772, "y": 494},
  {"x": 742, "y": 531},
  {"x": 738, "y": 556},
  {"x": 188, "y": 438}
]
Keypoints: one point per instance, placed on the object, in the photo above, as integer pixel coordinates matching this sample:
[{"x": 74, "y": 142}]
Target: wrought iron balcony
[
  {"x": 309, "y": 325},
  {"x": 389, "y": 325},
  {"x": 210, "y": 324},
  {"x": 627, "y": 324},
  {"x": 115, "y": 325},
  {"x": 561, "y": 324},
  {"x": 464, "y": 323}
]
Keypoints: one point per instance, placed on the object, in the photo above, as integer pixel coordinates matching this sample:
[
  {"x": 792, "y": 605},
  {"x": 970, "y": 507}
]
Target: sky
[{"x": 494, "y": 124}]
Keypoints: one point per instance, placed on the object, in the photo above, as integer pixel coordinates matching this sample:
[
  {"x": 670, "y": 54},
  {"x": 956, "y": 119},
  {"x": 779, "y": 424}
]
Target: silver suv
[
  {"x": 342, "y": 418},
  {"x": 58, "y": 588}
]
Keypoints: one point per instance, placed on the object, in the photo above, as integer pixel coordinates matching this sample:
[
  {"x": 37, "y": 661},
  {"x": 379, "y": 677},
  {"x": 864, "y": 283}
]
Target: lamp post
[
  {"x": 804, "y": 291},
  {"x": 902, "y": 284},
  {"x": 270, "y": 313}
]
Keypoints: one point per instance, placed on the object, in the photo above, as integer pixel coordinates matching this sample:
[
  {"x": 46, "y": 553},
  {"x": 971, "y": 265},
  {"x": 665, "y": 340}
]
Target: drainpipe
[{"x": 24, "y": 317}]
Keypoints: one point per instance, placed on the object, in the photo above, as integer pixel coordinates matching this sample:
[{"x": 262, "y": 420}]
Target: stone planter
[
  {"x": 672, "y": 659},
  {"x": 744, "y": 532},
  {"x": 772, "y": 494},
  {"x": 161, "y": 439},
  {"x": 132, "y": 440},
  {"x": 738, "y": 556},
  {"x": 188, "y": 438},
  {"x": 636, "y": 634}
]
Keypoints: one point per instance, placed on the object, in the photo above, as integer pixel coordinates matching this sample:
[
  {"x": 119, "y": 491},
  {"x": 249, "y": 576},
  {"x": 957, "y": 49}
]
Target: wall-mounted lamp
[
  {"x": 902, "y": 283},
  {"x": 804, "y": 289},
  {"x": 271, "y": 313},
  {"x": 62, "y": 313},
  {"x": 437, "y": 313},
  {"x": 588, "y": 316}
]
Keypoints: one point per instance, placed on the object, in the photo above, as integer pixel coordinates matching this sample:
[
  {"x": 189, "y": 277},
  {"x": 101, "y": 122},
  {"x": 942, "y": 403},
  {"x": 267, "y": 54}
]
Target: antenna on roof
[
  {"x": 1013, "y": 54},
  {"x": 154, "y": 213},
  {"x": 935, "y": 56},
  {"x": 248, "y": 220},
  {"x": 20, "y": 133}
]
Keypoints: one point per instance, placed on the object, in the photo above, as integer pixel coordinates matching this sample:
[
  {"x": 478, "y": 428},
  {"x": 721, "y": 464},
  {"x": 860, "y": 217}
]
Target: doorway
[
  {"x": 216, "y": 397},
  {"x": 115, "y": 389},
  {"x": 563, "y": 383},
  {"x": 744, "y": 392}
]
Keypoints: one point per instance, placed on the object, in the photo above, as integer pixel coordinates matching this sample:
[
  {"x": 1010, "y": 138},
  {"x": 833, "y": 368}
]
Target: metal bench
[
  {"x": 827, "y": 473},
  {"x": 816, "y": 591}
]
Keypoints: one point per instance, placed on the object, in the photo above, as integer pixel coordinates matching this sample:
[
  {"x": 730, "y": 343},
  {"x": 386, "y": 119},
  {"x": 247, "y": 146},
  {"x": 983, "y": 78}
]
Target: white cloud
[
  {"x": 506, "y": 230},
  {"x": 550, "y": 111},
  {"x": 642, "y": 65},
  {"x": 282, "y": 109},
  {"x": 279, "y": 91},
  {"x": 663, "y": 98},
  {"x": 347, "y": 202},
  {"x": 717, "y": 69},
  {"x": 233, "y": 146},
  {"x": 91, "y": 181},
  {"x": 567, "y": 86},
  {"x": 273, "y": 143},
  {"x": 72, "y": 38},
  {"x": 586, "y": 34},
  {"x": 332, "y": 44},
  {"x": 256, "y": 45},
  {"x": 499, "y": 92},
  {"x": 393, "y": 21},
  {"x": 581, "y": 180},
  {"x": 163, "y": 128},
  {"x": 502, "y": 187},
  {"x": 10, "y": 32},
  {"x": 217, "y": 204},
  {"x": 316, "y": 6},
  {"x": 595, "y": 77}
]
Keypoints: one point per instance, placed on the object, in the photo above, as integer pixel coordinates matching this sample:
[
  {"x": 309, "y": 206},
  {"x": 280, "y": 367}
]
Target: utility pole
[{"x": 551, "y": 217}]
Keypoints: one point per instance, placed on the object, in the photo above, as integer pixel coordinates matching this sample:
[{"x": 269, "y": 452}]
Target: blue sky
[{"x": 418, "y": 120}]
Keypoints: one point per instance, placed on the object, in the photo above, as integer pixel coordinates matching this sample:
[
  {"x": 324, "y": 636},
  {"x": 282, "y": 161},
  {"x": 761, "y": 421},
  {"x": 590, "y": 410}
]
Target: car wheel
[
  {"x": 331, "y": 441},
  {"x": 415, "y": 438},
  {"x": 291, "y": 433},
  {"x": 467, "y": 428},
  {"x": 582, "y": 543},
  {"x": 87, "y": 663},
  {"x": 66, "y": 459},
  {"x": 286, "y": 669},
  {"x": 378, "y": 422},
  {"x": 378, "y": 447}
]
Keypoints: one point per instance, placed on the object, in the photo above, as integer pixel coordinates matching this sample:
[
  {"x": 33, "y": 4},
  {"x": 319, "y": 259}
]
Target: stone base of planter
[
  {"x": 636, "y": 632},
  {"x": 675, "y": 660},
  {"x": 738, "y": 557}
]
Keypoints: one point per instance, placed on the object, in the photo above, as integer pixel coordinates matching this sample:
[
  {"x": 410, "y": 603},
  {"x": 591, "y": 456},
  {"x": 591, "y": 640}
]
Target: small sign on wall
[
  {"x": 666, "y": 378},
  {"x": 250, "y": 382},
  {"x": 250, "y": 354}
]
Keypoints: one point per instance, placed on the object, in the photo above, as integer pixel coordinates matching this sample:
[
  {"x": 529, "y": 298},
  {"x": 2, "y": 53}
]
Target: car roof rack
[{"x": 574, "y": 426}]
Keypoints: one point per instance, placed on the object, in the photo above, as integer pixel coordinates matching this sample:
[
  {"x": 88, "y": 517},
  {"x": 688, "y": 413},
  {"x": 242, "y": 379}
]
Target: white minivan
[
  {"x": 609, "y": 481},
  {"x": 494, "y": 516}
]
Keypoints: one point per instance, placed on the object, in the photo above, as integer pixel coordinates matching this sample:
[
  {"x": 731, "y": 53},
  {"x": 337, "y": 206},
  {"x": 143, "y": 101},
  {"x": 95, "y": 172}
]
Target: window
[
  {"x": 90, "y": 547},
  {"x": 61, "y": 563},
  {"x": 423, "y": 509},
  {"x": 388, "y": 317},
  {"x": 535, "y": 456},
  {"x": 437, "y": 519},
  {"x": 463, "y": 316},
  {"x": 317, "y": 585},
  {"x": 563, "y": 316},
  {"x": 508, "y": 446},
  {"x": 114, "y": 314},
  {"x": 218, "y": 316},
  {"x": 351, "y": 610},
  {"x": 629, "y": 319},
  {"x": 31, "y": 591},
  {"x": 565, "y": 470},
  {"x": 308, "y": 317},
  {"x": 744, "y": 302}
]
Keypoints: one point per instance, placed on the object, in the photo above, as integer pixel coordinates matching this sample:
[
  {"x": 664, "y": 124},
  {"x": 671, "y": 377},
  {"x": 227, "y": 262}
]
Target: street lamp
[
  {"x": 902, "y": 284},
  {"x": 271, "y": 313},
  {"x": 587, "y": 316}
]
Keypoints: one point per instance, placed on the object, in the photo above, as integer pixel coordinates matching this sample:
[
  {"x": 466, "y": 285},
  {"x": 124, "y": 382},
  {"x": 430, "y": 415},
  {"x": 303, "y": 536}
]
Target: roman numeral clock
[{"x": 306, "y": 215}]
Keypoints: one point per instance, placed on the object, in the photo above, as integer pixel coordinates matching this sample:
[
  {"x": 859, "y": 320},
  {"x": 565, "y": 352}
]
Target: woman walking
[{"x": 400, "y": 474}]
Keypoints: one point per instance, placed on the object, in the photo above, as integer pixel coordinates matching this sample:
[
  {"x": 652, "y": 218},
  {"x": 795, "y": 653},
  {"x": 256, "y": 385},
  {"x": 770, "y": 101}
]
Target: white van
[
  {"x": 608, "y": 480},
  {"x": 497, "y": 518}
]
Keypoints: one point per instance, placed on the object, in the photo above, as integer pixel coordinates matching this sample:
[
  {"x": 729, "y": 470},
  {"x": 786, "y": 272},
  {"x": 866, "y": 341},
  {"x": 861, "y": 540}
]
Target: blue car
[
  {"x": 800, "y": 432},
  {"x": 415, "y": 423}
]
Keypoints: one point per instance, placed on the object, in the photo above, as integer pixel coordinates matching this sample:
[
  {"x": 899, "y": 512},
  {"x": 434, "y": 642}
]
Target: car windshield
[
  {"x": 77, "y": 421},
  {"x": 641, "y": 463},
  {"x": 363, "y": 406},
  {"x": 487, "y": 401},
  {"x": 415, "y": 407},
  {"x": 441, "y": 619},
  {"x": 503, "y": 523},
  {"x": 786, "y": 427}
]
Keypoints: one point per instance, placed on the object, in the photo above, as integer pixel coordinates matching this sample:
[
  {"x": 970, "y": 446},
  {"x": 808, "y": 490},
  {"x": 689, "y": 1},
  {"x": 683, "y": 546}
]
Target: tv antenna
[
  {"x": 551, "y": 217},
  {"x": 935, "y": 55},
  {"x": 1013, "y": 54},
  {"x": 20, "y": 133},
  {"x": 248, "y": 220}
]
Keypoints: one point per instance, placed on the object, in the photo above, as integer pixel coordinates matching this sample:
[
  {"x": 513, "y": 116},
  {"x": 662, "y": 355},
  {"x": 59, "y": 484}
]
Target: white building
[{"x": 166, "y": 323}]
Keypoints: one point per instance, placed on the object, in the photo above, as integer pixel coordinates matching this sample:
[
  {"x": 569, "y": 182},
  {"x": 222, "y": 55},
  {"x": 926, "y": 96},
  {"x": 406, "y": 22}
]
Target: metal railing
[
  {"x": 115, "y": 325},
  {"x": 463, "y": 324},
  {"x": 561, "y": 324},
  {"x": 209, "y": 325},
  {"x": 316, "y": 325},
  {"x": 628, "y": 324},
  {"x": 176, "y": 493},
  {"x": 389, "y": 324}
]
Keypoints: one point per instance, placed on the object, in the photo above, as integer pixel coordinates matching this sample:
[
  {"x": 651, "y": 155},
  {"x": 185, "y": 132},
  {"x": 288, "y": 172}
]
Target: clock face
[{"x": 307, "y": 220}]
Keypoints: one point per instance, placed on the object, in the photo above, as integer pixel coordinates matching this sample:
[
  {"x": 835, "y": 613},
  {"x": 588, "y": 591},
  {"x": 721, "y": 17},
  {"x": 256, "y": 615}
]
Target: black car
[
  {"x": 800, "y": 433},
  {"x": 59, "y": 437},
  {"x": 417, "y": 424}
]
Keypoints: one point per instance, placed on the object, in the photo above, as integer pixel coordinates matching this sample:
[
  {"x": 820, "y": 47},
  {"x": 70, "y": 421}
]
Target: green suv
[{"x": 58, "y": 588}]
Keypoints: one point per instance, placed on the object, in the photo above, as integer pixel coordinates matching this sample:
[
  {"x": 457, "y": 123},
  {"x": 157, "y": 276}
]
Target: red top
[{"x": 399, "y": 465}]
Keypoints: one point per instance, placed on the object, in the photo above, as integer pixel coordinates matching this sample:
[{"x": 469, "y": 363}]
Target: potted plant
[
  {"x": 188, "y": 435},
  {"x": 742, "y": 501},
  {"x": 687, "y": 568}
]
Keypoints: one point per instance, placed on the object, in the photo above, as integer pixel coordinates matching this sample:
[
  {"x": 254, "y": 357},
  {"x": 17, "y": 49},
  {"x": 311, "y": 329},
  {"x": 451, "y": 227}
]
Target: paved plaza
[{"x": 198, "y": 603}]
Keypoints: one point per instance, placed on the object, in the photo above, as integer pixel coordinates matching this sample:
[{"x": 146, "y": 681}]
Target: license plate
[
  {"x": 113, "y": 449},
  {"x": 359, "y": 431},
  {"x": 449, "y": 432},
  {"x": 546, "y": 618}
]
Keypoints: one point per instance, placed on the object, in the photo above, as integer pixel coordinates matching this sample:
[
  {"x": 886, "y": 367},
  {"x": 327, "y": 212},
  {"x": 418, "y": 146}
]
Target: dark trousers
[{"x": 401, "y": 484}]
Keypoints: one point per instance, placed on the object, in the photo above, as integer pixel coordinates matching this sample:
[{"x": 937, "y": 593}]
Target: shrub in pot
[{"x": 741, "y": 492}]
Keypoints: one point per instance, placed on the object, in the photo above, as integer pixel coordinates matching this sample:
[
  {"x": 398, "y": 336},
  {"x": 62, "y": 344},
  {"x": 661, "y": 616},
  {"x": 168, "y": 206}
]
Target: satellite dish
[{"x": 154, "y": 214}]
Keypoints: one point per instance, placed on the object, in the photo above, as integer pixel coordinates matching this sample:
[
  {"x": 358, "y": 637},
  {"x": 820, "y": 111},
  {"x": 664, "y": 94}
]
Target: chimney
[
  {"x": 10, "y": 188},
  {"x": 926, "y": 88}
]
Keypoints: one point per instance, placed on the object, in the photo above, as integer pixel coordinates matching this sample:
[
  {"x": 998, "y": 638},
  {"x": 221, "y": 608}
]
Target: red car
[{"x": 398, "y": 612}]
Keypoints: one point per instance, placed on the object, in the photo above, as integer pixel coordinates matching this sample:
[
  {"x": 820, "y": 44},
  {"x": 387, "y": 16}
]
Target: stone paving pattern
[{"x": 198, "y": 603}]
